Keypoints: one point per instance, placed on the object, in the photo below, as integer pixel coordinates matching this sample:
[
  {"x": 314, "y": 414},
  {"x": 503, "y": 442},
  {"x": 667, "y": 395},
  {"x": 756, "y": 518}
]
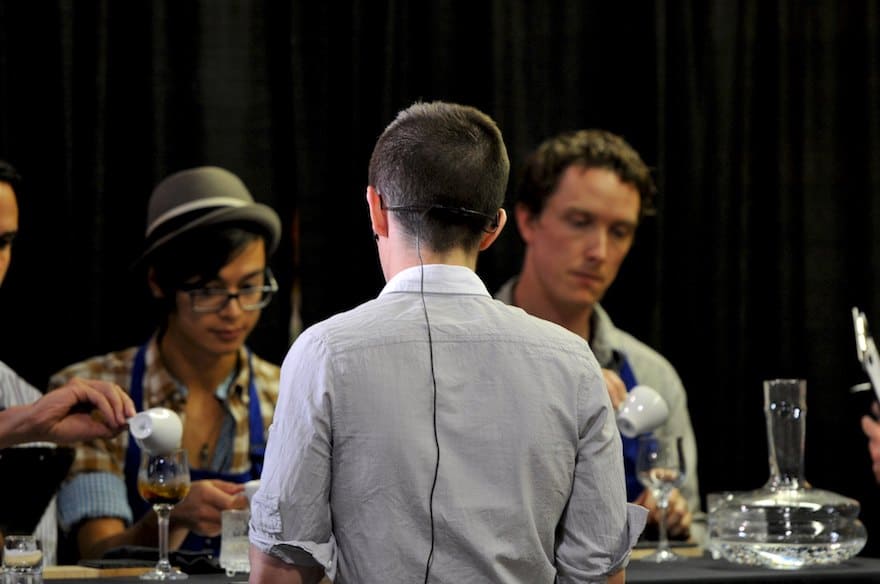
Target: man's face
[
  {"x": 577, "y": 243},
  {"x": 225, "y": 331},
  {"x": 8, "y": 225}
]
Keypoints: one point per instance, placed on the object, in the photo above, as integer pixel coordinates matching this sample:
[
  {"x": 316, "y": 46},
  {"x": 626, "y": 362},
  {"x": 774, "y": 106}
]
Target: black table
[
  {"x": 705, "y": 569},
  {"x": 193, "y": 579},
  {"x": 696, "y": 570}
]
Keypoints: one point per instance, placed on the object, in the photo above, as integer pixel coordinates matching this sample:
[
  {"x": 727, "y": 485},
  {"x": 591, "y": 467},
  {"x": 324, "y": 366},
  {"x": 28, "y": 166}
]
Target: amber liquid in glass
[{"x": 163, "y": 494}]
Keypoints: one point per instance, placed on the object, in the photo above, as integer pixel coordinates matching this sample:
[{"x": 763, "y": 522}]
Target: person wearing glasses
[{"x": 205, "y": 258}]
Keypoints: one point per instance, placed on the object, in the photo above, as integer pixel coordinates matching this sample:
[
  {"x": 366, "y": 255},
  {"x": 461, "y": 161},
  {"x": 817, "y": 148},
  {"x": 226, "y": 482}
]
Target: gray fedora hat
[{"x": 202, "y": 196}]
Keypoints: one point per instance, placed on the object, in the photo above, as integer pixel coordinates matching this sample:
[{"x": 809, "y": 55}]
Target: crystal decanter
[{"x": 786, "y": 524}]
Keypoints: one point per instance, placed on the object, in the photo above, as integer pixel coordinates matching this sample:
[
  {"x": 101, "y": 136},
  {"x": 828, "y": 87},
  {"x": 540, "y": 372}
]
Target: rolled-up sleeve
[
  {"x": 599, "y": 528},
  {"x": 92, "y": 495},
  {"x": 290, "y": 512}
]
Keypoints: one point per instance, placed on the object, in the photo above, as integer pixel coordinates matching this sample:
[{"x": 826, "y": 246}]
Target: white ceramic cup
[
  {"x": 250, "y": 488},
  {"x": 157, "y": 430},
  {"x": 642, "y": 411}
]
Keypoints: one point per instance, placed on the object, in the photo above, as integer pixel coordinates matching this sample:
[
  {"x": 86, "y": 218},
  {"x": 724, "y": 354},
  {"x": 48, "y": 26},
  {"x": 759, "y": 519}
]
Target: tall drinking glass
[
  {"x": 661, "y": 468},
  {"x": 163, "y": 481}
]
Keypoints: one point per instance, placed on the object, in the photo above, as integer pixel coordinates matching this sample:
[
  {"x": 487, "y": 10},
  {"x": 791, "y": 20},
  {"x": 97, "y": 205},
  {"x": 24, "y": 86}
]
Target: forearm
[
  {"x": 618, "y": 578},
  {"x": 96, "y": 536},
  {"x": 16, "y": 426}
]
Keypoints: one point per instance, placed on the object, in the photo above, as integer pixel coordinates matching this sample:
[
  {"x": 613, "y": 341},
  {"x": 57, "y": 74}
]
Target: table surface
[
  {"x": 705, "y": 569},
  {"x": 691, "y": 570}
]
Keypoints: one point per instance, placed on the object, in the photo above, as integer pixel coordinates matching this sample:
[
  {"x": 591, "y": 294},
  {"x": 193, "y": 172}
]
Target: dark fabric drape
[
  {"x": 762, "y": 120},
  {"x": 768, "y": 224}
]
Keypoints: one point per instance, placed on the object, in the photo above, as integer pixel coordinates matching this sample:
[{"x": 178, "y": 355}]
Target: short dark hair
[
  {"x": 544, "y": 167},
  {"x": 442, "y": 155},
  {"x": 197, "y": 256},
  {"x": 8, "y": 174}
]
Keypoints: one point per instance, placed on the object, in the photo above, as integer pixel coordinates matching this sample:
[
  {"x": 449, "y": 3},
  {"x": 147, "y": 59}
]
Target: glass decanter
[{"x": 786, "y": 524}]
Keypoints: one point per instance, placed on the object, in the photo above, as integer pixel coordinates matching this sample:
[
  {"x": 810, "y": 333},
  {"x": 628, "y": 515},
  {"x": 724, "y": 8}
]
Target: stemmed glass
[
  {"x": 661, "y": 468},
  {"x": 163, "y": 481}
]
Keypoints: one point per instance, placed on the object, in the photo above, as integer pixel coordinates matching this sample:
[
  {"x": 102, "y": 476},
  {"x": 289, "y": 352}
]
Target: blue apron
[
  {"x": 630, "y": 445},
  {"x": 193, "y": 542}
]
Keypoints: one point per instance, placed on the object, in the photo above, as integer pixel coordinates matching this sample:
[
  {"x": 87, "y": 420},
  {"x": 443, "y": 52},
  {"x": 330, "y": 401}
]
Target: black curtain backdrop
[{"x": 761, "y": 118}]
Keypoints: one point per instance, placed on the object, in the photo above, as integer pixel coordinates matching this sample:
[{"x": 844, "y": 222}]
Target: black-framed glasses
[
  {"x": 6, "y": 239},
  {"x": 203, "y": 300}
]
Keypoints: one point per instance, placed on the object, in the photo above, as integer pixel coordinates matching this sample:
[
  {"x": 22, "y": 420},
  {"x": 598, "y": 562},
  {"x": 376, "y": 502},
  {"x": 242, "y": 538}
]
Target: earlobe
[
  {"x": 524, "y": 220},
  {"x": 378, "y": 218}
]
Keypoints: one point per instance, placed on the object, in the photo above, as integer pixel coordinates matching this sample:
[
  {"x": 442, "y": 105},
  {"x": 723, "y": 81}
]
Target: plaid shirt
[{"x": 161, "y": 389}]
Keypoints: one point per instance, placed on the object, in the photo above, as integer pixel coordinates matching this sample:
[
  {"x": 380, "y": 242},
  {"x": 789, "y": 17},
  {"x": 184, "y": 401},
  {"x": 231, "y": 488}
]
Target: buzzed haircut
[{"x": 442, "y": 155}]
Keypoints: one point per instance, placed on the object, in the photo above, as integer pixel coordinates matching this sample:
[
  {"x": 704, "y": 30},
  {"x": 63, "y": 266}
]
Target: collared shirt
[
  {"x": 96, "y": 484},
  {"x": 15, "y": 391},
  {"x": 610, "y": 344},
  {"x": 529, "y": 487}
]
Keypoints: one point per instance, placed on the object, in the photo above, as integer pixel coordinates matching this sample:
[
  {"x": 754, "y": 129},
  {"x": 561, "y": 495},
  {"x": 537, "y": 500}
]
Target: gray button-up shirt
[
  {"x": 530, "y": 484},
  {"x": 610, "y": 344}
]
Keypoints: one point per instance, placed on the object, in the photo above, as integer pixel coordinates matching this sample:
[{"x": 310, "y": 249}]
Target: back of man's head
[
  {"x": 590, "y": 149},
  {"x": 444, "y": 167}
]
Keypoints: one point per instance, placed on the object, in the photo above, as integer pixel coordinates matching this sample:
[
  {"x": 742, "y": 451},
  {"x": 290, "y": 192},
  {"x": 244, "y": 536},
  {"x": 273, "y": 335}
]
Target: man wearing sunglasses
[{"x": 205, "y": 260}]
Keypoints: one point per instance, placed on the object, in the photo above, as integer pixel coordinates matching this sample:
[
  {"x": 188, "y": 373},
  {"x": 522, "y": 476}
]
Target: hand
[
  {"x": 678, "y": 516},
  {"x": 82, "y": 409},
  {"x": 615, "y": 386},
  {"x": 871, "y": 428},
  {"x": 200, "y": 509}
]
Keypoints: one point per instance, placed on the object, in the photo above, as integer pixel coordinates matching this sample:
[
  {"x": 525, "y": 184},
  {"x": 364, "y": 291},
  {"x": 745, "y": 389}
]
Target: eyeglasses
[
  {"x": 6, "y": 239},
  {"x": 204, "y": 300}
]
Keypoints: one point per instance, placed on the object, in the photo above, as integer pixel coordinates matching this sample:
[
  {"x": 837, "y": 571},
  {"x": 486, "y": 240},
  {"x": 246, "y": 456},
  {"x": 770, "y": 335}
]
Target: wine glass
[
  {"x": 661, "y": 468},
  {"x": 163, "y": 481}
]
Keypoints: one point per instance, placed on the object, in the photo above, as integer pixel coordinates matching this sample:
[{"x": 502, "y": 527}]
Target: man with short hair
[
  {"x": 434, "y": 433},
  {"x": 581, "y": 197},
  {"x": 64, "y": 415}
]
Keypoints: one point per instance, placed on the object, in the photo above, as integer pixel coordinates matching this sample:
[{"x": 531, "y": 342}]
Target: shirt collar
[
  {"x": 166, "y": 389},
  {"x": 438, "y": 279},
  {"x": 601, "y": 326},
  {"x": 603, "y": 341}
]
